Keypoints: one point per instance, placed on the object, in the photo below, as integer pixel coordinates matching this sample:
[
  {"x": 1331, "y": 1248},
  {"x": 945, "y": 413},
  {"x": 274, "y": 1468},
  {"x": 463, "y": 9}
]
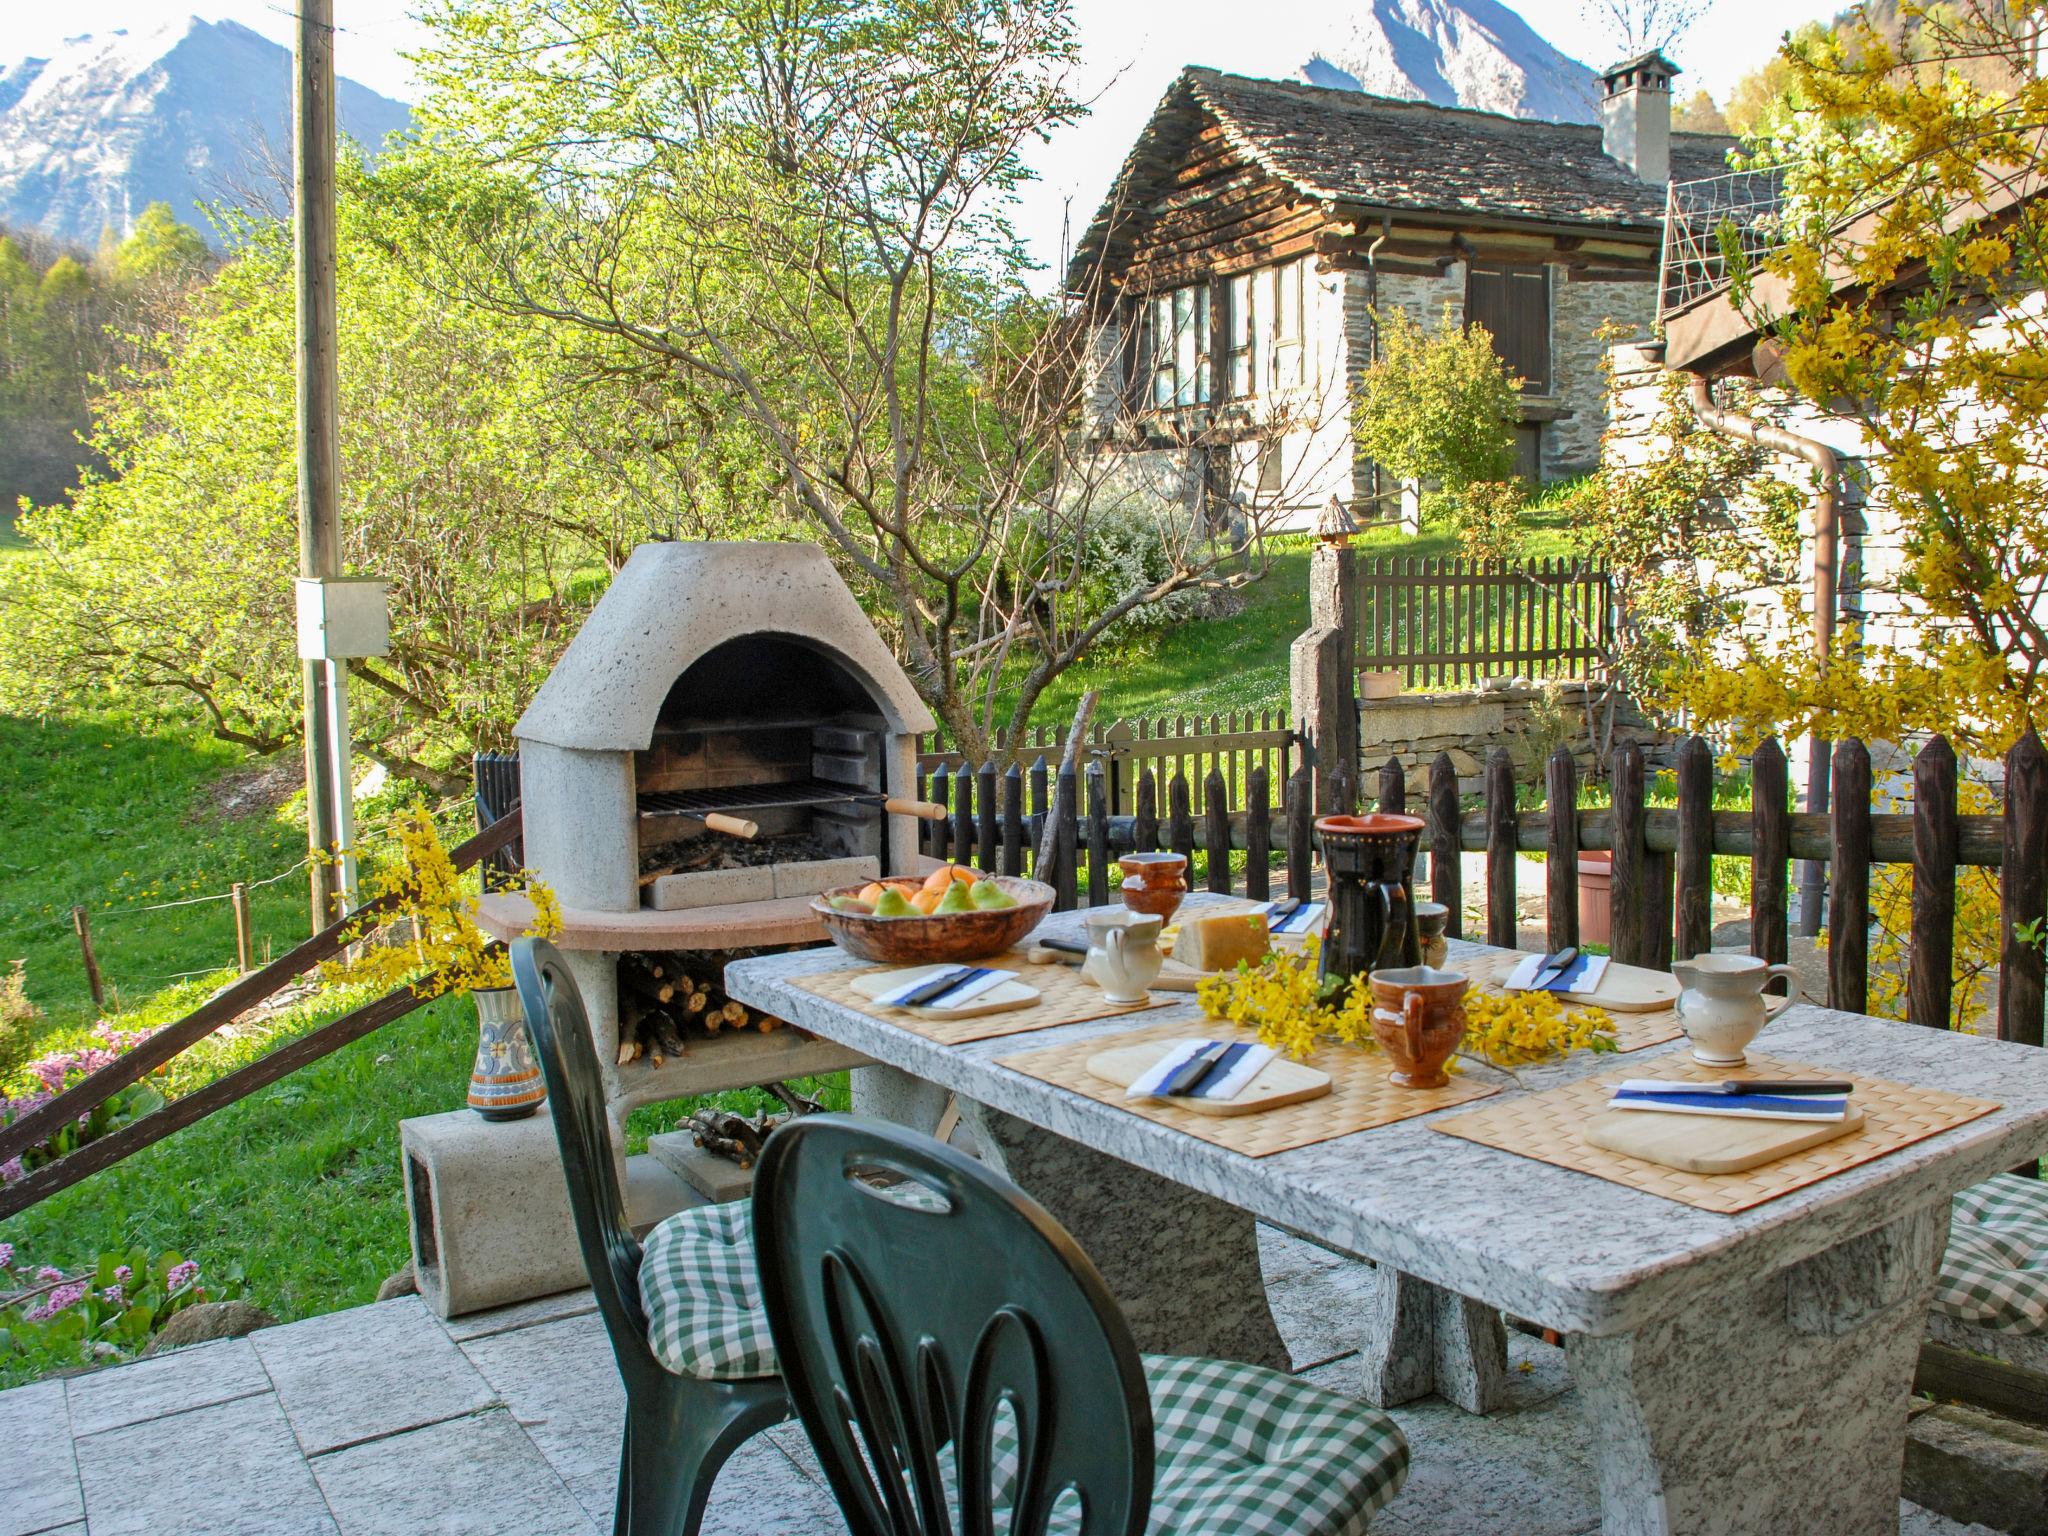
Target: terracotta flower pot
[{"x": 1596, "y": 907}]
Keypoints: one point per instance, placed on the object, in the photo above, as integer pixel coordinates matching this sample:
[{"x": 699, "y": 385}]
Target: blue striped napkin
[
  {"x": 1682, "y": 1098},
  {"x": 969, "y": 982}
]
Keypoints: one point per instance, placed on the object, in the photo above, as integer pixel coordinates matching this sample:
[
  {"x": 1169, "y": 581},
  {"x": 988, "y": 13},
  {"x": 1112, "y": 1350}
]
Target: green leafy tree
[
  {"x": 1437, "y": 406},
  {"x": 160, "y": 249}
]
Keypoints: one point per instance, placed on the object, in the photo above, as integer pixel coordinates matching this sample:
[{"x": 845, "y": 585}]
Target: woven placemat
[
  {"x": 1546, "y": 1126},
  {"x": 1063, "y": 998},
  {"x": 1632, "y": 1031},
  {"x": 1360, "y": 1095}
]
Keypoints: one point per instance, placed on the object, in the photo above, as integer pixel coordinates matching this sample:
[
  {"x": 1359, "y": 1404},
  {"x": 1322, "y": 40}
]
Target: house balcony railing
[{"x": 1712, "y": 226}]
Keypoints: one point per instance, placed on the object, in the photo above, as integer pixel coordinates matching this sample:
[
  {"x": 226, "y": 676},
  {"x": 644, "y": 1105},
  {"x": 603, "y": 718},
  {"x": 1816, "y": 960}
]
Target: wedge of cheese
[{"x": 1219, "y": 943}]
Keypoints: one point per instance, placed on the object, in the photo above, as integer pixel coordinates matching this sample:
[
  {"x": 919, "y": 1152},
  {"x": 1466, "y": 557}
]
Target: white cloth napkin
[
  {"x": 967, "y": 992},
  {"x": 1179, "y": 1052},
  {"x": 1584, "y": 973}
]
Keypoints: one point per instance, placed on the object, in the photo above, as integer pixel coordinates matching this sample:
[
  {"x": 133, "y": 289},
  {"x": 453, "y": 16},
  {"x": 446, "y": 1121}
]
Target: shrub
[
  {"x": 18, "y": 1020},
  {"x": 1486, "y": 517},
  {"x": 1132, "y": 542},
  {"x": 1437, "y": 405},
  {"x": 106, "y": 1314}
]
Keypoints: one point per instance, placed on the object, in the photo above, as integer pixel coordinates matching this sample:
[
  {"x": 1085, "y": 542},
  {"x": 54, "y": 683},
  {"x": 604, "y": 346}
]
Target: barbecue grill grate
[{"x": 754, "y": 797}]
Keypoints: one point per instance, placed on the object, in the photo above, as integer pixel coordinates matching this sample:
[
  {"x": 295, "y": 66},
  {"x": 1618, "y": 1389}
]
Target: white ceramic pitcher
[
  {"x": 1722, "y": 1006},
  {"x": 1123, "y": 953}
]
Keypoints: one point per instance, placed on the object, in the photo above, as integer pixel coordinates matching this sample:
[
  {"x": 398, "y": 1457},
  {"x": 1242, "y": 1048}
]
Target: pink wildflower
[
  {"x": 122, "y": 1274},
  {"x": 57, "y": 1301},
  {"x": 181, "y": 1275},
  {"x": 46, "y": 1274},
  {"x": 114, "y": 1296},
  {"x": 6, "y": 1255},
  {"x": 10, "y": 1170}
]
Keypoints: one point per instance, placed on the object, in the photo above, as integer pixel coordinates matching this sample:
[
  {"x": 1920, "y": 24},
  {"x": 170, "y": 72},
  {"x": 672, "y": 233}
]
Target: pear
[
  {"x": 956, "y": 899},
  {"x": 851, "y": 904},
  {"x": 892, "y": 903},
  {"x": 987, "y": 896}
]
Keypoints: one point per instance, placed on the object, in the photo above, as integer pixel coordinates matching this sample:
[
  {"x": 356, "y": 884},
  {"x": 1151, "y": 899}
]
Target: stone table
[{"x": 1733, "y": 1368}]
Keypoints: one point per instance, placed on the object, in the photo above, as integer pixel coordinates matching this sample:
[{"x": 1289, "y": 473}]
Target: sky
[{"x": 1131, "y": 52}]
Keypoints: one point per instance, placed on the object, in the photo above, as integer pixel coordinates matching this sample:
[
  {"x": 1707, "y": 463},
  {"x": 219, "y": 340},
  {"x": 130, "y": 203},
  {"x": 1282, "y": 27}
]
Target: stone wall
[
  {"x": 1415, "y": 727},
  {"x": 1579, "y": 313}
]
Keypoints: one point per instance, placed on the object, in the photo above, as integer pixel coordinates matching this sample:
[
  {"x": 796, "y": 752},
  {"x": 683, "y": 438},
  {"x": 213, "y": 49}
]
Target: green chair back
[{"x": 917, "y": 1301}]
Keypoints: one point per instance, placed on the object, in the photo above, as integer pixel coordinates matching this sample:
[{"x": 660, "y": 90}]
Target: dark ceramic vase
[{"x": 1371, "y": 862}]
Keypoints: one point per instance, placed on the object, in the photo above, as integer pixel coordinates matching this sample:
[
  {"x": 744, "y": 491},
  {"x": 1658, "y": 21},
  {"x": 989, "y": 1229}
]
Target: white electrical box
[{"x": 343, "y": 616}]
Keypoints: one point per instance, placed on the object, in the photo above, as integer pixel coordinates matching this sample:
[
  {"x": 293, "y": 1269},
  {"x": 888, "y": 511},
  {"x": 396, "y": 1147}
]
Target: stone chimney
[{"x": 1635, "y": 115}]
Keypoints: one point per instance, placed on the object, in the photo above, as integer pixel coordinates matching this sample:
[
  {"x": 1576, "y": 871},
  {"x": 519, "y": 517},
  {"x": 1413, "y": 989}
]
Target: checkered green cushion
[
  {"x": 703, "y": 1297},
  {"x": 1995, "y": 1274},
  {"x": 1244, "y": 1451}
]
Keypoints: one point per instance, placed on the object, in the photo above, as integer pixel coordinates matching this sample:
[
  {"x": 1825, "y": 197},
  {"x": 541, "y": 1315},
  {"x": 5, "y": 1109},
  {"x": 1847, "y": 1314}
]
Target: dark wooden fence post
[
  {"x": 1561, "y": 857},
  {"x": 2023, "y": 893},
  {"x": 1695, "y": 854},
  {"x": 82, "y": 926},
  {"x": 1041, "y": 800},
  {"x": 1067, "y": 846},
  {"x": 238, "y": 902},
  {"x": 1393, "y": 787},
  {"x": 1145, "y": 825},
  {"x": 1770, "y": 834},
  {"x": 1446, "y": 853},
  {"x": 963, "y": 814},
  {"x": 1343, "y": 799},
  {"x": 1258, "y": 833},
  {"x": 1629, "y": 891},
  {"x": 1216, "y": 828},
  {"x": 1013, "y": 820},
  {"x": 1930, "y": 960},
  {"x": 1500, "y": 849},
  {"x": 1180, "y": 824},
  {"x": 985, "y": 798},
  {"x": 1849, "y": 879},
  {"x": 940, "y": 794},
  {"x": 1301, "y": 814},
  {"x": 1098, "y": 833}
]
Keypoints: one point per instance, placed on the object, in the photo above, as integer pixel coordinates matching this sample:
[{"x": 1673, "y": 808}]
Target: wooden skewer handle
[
  {"x": 924, "y": 810},
  {"x": 732, "y": 826}
]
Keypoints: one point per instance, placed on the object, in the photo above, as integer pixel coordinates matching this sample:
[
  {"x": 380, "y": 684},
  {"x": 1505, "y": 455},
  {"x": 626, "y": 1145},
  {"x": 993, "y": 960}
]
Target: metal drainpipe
[
  {"x": 1826, "y": 556},
  {"x": 1372, "y": 340}
]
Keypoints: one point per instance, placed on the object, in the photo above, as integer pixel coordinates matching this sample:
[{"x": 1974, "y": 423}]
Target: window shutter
[{"x": 1514, "y": 305}]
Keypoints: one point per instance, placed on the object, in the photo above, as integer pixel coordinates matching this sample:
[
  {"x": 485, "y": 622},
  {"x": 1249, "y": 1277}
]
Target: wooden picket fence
[
  {"x": 1450, "y": 622},
  {"x": 1661, "y": 891}
]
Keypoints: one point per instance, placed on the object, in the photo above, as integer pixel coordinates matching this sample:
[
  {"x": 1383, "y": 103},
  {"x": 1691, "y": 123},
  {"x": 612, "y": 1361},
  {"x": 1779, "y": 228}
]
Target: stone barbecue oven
[{"x": 720, "y": 741}]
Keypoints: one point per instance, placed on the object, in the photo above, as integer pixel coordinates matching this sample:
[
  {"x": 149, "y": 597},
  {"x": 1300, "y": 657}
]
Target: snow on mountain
[
  {"x": 180, "y": 113},
  {"x": 1456, "y": 53}
]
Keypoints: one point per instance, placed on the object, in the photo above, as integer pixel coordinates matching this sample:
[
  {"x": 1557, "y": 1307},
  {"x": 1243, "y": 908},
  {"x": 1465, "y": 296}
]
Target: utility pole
[{"x": 318, "y": 422}]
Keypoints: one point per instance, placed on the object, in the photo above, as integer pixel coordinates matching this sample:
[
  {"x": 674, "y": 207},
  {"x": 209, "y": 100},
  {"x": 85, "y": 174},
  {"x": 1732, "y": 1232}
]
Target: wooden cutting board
[
  {"x": 1710, "y": 1143},
  {"x": 1279, "y": 1082},
  {"x": 1000, "y": 998}
]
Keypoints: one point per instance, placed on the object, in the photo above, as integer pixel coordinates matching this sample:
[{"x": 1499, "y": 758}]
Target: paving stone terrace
[{"x": 384, "y": 1421}]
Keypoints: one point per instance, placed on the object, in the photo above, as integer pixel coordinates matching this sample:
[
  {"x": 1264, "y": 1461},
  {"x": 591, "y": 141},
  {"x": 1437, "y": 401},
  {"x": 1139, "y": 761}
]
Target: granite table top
[{"x": 1560, "y": 1248}]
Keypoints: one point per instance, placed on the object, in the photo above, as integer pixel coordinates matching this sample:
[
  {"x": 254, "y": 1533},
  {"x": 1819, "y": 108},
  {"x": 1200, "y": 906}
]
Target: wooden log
[
  {"x": 1694, "y": 855},
  {"x": 1065, "y": 824},
  {"x": 1098, "y": 834},
  {"x": 1145, "y": 834},
  {"x": 985, "y": 802},
  {"x": 1301, "y": 810},
  {"x": 2023, "y": 893},
  {"x": 1013, "y": 820},
  {"x": 1770, "y": 841},
  {"x": 1216, "y": 823},
  {"x": 1628, "y": 894},
  {"x": 650, "y": 989},
  {"x": 1180, "y": 824},
  {"x": 1393, "y": 787},
  {"x": 82, "y": 926},
  {"x": 1561, "y": 859},
  {"x": 230, "y": 1003},
  {"x": 1258, "y": 833},
  {"x": 1849, "y": 879},
  {"x": 1931, "y": 953},
  {"x": 1446, "y": 866},
  {"x": 1500, "y": 849}
]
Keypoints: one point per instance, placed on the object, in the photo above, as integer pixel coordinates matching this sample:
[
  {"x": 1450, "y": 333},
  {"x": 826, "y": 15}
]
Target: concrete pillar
[{"x": 1322, "y": 670}]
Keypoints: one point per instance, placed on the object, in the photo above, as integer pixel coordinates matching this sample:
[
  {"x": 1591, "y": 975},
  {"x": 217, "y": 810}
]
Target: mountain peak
[
  {"x": 1454, "y": 53},
  {"x": 113, "y": 121}
]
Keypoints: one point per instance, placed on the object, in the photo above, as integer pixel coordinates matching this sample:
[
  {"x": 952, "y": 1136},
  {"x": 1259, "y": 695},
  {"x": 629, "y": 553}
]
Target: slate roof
[{"x": 1350, "y": 149}]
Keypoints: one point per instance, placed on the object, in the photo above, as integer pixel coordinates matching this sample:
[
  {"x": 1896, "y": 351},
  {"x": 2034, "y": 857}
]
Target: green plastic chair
[
  {"x": 695, "y": 1390},
  {"x": 953, "y": 1354}
]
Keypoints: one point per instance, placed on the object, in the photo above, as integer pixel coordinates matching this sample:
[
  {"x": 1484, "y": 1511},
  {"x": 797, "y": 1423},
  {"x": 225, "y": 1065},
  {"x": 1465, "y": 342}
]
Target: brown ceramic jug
[
  {"x": 1154, "y": 883},
  {"x": 1418, "y": 1017}
]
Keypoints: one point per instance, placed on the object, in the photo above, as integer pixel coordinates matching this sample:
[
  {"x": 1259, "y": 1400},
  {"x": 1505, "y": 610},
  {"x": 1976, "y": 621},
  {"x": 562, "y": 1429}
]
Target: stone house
[{"x": 1256, "y": 226}]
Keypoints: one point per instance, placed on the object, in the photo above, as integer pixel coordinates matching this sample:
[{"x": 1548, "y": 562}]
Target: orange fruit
[
  {"x": 963, "y": 874},
  {"x": 926, "y": 900},
  {"x": 939, "y": 879}
]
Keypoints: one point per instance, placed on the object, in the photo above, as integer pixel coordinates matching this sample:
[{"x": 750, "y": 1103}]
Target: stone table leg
[
  {"x": 1184, "y": 1265},
  {"x": 889, "y": 1093},
  {"x": 1426, "y": 1339},
  {"x": 1777, "y": 1405}
]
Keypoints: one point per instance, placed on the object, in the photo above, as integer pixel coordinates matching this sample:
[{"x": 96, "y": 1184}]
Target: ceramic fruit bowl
[{"x": 942, "y": 936}]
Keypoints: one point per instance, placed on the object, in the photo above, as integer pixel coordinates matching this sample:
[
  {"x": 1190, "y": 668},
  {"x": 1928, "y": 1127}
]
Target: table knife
[
  {"x": 1792, "y": 1087},
  {"x": 1189, "y": 1073},
  {"x": 1550, "y": 967},
  {"x": 1217, "y": 1069},
  {"x": 1280, "y": 911},
  {"x": 939, "y": 986}
]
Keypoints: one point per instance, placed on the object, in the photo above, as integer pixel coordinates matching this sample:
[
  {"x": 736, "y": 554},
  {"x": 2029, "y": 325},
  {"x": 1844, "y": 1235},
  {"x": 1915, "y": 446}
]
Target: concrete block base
[
  {"x": 654, "y": 1192},
  {"x": 719, "y": 1180},
  {"x": 488, "y": 1210}
]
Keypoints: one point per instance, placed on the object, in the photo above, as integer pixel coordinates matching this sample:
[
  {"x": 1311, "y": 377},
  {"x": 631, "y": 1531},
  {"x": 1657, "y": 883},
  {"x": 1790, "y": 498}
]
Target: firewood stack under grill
[{"x": 668, "y": 999}]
